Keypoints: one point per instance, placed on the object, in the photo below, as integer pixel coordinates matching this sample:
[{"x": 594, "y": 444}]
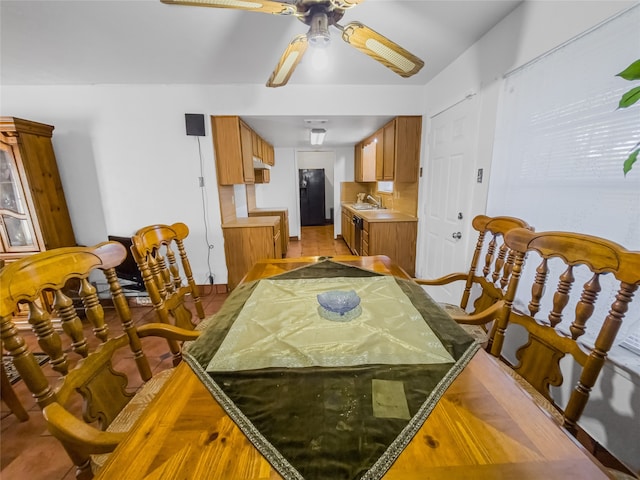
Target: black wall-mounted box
[{"x": 195, "y": 124}]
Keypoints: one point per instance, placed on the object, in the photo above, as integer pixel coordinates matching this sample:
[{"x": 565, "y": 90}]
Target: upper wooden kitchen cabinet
[
  {"x": 365, "y": 160},
  {"x": 262, "y": 175},
  {"x": 357, "y": 161},
  {"x": 256, "y": 143},
  {"x": 388, "y": 151},
  {"x": 236, "y": 145},
  {"x": 271, "y": 155},
  {"x": 233, "y": 146},
  {"x": 33, "y": 210},
  {"x": 398, "y": 150},
  {"x": 264, "y": 151}
]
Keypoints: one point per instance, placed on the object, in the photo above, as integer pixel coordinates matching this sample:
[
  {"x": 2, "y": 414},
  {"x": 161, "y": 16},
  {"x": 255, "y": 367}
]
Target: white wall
[
  {"x": 125, "y": 160},
  {"x": 282, "y": 189},
  {"x": 344, "y": 172},
  {"x": 613, "y": 415}
]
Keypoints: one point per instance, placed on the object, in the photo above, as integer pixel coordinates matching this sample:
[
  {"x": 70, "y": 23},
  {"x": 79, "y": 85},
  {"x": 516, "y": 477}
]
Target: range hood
[{"x": 259, "y": 165}]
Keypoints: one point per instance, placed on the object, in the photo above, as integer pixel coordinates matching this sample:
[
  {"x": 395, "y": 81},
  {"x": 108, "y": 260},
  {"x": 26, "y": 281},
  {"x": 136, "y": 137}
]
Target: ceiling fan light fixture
[
  {"x": 318, "y": 34},
  {"x": 317, "y": 136}
]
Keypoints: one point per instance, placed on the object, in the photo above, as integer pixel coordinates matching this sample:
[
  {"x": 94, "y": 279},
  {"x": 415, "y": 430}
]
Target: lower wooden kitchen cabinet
[
  {"x": 247, "y": 240},
  {"x": 397, "y": 240},
  {"x": 283, "y": 213},
  {"x": 382, "y": 232},
  {"x": 348, "y": 228}
]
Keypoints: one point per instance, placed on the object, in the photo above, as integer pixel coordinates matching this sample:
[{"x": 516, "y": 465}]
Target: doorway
[{"x": 312, "y": 197}]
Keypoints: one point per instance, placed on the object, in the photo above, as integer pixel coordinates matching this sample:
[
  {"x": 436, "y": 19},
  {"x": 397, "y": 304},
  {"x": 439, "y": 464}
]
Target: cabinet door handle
[{"x": 457, "y": 235}]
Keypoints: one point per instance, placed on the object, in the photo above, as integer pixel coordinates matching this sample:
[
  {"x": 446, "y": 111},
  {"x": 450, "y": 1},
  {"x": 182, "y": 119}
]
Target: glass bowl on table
[{"x": 339, "y": 305}]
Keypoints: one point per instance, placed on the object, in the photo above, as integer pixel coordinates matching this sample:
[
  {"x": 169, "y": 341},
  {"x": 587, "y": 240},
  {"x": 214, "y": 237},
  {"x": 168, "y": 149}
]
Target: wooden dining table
[{"x": 483, "y": 427}]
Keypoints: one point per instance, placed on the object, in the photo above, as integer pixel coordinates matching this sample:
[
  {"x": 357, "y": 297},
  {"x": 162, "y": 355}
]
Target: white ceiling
[{"x": 69, "y": 42}]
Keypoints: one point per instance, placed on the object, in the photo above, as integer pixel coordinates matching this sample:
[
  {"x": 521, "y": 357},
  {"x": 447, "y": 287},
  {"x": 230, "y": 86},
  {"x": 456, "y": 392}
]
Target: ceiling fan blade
[
  {"x": 265, "y": 6},
  {"x": 288, "y": 62},
  {"x": 380, "y": 48}
]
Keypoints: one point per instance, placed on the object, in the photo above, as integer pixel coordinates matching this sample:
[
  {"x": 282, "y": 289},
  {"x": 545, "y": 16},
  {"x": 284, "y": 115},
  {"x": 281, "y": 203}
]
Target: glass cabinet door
[{"x": 16, "y": 227}]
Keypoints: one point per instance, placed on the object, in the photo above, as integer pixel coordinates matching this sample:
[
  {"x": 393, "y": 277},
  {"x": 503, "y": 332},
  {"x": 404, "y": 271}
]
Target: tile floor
[
  {"x": 317, "y": 241},
  {"x": 28, "y": 451}
]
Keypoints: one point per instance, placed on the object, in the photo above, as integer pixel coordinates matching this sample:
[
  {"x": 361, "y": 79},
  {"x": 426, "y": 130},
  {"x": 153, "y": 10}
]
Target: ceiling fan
[{"x": 320, "y": 15}]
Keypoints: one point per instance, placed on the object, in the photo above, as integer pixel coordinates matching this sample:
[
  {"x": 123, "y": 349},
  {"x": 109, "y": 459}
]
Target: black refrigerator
[{"x": 312, "y": 209}]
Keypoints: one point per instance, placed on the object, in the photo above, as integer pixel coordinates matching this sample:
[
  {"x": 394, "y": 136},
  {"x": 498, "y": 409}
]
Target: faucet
[{"x": 376, "y": 201}]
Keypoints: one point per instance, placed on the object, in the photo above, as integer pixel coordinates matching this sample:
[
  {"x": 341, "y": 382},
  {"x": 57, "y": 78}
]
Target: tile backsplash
[{"x": 403, "y": 199}]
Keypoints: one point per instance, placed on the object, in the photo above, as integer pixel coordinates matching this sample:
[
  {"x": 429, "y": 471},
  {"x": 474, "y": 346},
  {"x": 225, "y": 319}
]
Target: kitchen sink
[
  {"x": 363, "y": 206},
  {"x": 366, "y": 206}
]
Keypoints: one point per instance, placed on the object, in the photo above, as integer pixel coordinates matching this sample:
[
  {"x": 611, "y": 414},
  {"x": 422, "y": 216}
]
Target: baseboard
[{"x": 215, "y": 288}]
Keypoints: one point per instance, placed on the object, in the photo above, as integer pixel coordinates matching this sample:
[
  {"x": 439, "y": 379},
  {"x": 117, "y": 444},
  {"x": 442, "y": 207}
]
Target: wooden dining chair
[
  {"x": 486, "y": 280},
  {"x": 109, "y": 409},
  {"x": 554, "y": 331},
  {"x": 9, "y": 397},
  {"x": 40, "y": 284},
  {"x": 28, "y": 283},
  {"x": 154, "y": 250},
  {"x": 7, "y": 393},
  {"x": 49, "y": 274}
]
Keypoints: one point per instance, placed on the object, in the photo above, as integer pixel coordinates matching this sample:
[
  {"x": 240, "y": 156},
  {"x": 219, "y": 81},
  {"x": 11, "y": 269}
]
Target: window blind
[{"x": 561, "y": 142}]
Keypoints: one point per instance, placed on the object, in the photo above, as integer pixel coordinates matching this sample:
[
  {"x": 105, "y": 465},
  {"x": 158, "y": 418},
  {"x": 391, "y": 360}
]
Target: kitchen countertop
[
  {"x": 247, "y": 222},
  {"x": 380, "y": 214}
]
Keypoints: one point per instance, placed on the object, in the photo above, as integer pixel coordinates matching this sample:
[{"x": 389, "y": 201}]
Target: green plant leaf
[
  {"x": 632, "y": 72},
  {"x": 628, "y": 163},
  {"x": 629, "y": 98}
]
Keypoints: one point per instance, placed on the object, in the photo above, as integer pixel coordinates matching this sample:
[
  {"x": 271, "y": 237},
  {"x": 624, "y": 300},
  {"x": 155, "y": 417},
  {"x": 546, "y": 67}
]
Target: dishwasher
[{"x": 357, "y": 236}]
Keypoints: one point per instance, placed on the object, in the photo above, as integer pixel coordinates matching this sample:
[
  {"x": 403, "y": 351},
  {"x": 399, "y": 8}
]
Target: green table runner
[{"x": 323, "y": 399}]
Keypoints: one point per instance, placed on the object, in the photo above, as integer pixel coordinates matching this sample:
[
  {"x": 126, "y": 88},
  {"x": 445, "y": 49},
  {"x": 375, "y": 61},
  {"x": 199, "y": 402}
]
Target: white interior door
[{"x": 447, "y": 202}]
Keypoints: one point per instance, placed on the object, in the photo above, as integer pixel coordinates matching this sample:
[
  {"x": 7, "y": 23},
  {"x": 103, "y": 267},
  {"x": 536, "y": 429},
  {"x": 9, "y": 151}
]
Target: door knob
[{"x": 457, "y": 235}]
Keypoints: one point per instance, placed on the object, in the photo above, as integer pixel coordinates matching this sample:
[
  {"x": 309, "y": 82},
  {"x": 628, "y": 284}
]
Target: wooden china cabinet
[{"x": 33, "y": 210}]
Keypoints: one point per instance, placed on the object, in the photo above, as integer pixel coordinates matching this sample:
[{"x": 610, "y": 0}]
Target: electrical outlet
[{"x": 143, "y": 301}]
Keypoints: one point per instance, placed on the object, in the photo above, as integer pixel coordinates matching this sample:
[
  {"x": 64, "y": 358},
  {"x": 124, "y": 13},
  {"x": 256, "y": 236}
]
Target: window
[
  {"x": 385, "y": 187},
  {"x": 561, "y": 142}
]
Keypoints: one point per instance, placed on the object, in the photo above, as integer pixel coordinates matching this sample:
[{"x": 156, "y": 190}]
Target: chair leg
[
  {"x": 10, "y": 398},
  {"x": 84, "y": 472}
]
